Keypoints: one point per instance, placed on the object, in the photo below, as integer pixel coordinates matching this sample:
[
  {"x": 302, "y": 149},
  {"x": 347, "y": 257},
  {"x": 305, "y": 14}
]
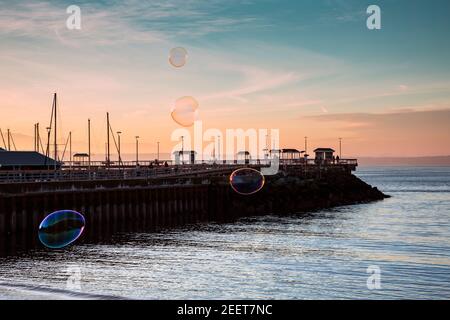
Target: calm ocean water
[{"x": 319, "y": 256}]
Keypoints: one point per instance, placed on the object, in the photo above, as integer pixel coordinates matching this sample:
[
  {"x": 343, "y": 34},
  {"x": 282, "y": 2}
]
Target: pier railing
[
  {"x": 147, "y": 170},
  {"x": 147, "y": 163},
  {"x": 16, "y": 176}
]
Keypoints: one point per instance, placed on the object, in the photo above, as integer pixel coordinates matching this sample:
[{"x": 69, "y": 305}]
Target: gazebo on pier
[
  {"x": 288, "y": 156},
  {"x": 80, "y": 159}
]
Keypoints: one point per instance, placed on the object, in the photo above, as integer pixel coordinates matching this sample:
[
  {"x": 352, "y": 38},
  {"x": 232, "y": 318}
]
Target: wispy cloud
[
  {"x": 255, "y": 81},
  {"x": 128, "y": 21},
  {"x": 401, "y": 90},
  {"x": 342, "y": 11}
]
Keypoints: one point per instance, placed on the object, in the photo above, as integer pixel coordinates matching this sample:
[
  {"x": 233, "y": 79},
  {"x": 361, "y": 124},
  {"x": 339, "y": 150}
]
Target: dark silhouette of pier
[{"x": 141, "y": 197}]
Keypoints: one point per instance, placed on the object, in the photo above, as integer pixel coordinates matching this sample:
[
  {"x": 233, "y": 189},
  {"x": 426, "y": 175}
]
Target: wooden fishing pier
[{"x": 131, "y": 198}]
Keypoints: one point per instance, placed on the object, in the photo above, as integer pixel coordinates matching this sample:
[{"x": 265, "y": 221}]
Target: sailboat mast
[
  {"x": 56, "y": 128},
  {"x": 9, "y": 140},
  {"x": 70, "y": 148},
  {"x": 3, "y": 138},
  {"x": 89, "y": 144},
  {"x": 38, "y": 137},
  {"x": 35, "y": 137},
  {"x": 107, "y": 147}
]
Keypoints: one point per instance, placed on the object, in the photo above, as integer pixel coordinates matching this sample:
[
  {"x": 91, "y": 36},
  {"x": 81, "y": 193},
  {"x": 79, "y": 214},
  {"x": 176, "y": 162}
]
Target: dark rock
[{"x": 290, "y": 194}]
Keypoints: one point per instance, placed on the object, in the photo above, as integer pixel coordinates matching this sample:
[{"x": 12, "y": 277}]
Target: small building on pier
[
  {"x": 26, "y": 160},
  {"x": 324, "y": 155}
]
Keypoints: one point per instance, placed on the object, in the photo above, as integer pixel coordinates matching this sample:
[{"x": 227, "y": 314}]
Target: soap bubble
[
  {"x": 247, "y": 181},
  {"x": 178, "y": 57},
  {"x": 61, "y": 228},
  {"x": 185, "y": 111}
]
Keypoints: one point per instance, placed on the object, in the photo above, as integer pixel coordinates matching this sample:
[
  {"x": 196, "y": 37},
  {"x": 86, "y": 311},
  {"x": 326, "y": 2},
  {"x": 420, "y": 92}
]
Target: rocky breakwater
[{"x": 287, "y": 194}]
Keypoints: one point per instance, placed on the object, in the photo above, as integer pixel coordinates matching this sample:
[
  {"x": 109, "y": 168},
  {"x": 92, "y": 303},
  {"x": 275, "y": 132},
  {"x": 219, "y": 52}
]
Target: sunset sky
[{"x": 308, "y": 68}]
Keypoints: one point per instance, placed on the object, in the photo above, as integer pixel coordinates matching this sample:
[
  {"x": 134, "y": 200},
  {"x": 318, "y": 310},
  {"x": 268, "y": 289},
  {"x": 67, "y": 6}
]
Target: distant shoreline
[
  {"x": 378, "y": 165},
  {"x": 437, "y": 161}
]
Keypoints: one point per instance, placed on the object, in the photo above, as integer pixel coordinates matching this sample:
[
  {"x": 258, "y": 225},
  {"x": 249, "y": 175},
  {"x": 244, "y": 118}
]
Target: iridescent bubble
[
  {"x": 185, "y": 111},
  {"x": 178, "y": 57},
  {"x": 61, "y": 228},
  {"x": 247, "y": 181}
]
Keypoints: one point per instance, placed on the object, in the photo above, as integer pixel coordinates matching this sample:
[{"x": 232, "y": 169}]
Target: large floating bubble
[
  {"x": 247, "y": 181},
  {"x": 185, "y": 111},
  {"x": 178, "y": 57},
  {"x": 61, "y": 228}
]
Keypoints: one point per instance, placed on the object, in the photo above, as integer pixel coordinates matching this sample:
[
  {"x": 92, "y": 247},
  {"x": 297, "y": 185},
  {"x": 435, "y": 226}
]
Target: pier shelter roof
[
  {"x": 25, "y": 160},
  {"x": 324, "y": 150}
]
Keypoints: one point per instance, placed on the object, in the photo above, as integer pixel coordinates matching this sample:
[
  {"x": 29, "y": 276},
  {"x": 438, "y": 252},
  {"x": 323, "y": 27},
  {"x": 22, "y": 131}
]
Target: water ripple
[{"x": 322, "y": 255}]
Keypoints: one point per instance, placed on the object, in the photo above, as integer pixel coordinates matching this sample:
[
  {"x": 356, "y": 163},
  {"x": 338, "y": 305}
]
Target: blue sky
[{"x": 294, "y": 65}]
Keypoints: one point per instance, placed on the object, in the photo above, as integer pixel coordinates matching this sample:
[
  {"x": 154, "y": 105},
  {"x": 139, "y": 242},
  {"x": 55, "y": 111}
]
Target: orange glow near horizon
[
  {"x": 118, "y": 64},
  {"x": 402, "y": 134}
]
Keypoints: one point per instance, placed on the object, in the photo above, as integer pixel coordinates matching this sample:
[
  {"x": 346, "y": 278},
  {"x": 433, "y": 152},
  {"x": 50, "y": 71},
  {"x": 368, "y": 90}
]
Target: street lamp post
[
  {"x": 340, "y": 148},
  {"x": 157, "y": 158},
  {"x": 182, "y": 149},
  {"x": 218, "y": 148},
  {"x": 118, "y": 142},
  {"x": 89, "y": 147},
  {"x": 306, "y": 145},
  {"x": 306, "y": 152},
  {"x": 137, "y": 150}
]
